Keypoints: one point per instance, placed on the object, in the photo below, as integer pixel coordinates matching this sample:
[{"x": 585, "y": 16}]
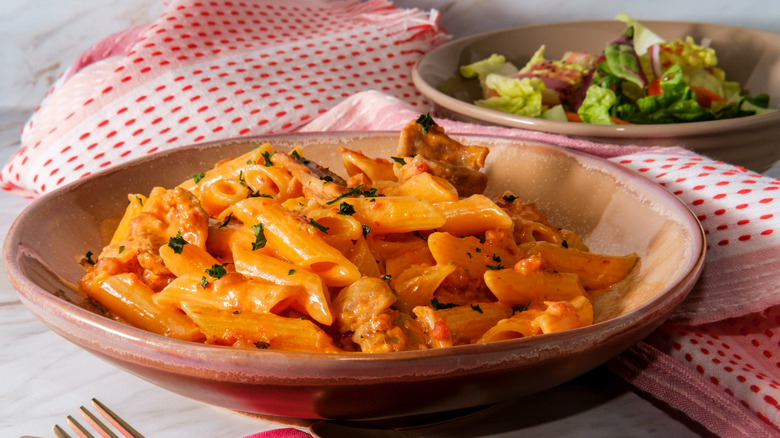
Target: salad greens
[{"x": 639, "y": 78}]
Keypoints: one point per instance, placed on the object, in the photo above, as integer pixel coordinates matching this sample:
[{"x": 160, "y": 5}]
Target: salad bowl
[
  {"x": 614, "y": 210},
  {"x": 748, "y": 57}
]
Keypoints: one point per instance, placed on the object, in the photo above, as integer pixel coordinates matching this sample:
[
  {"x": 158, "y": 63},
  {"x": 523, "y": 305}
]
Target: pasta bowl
[
  {"x": 748, "y": 56},
  {"x": 614, "y": 210}
]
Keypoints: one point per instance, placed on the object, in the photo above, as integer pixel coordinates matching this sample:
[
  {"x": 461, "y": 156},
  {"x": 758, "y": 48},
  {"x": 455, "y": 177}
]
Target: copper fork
[{"x": 98, "y": 425}]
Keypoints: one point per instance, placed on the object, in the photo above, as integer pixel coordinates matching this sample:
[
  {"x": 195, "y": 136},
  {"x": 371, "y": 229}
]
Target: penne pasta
[
  {"x": 424, "y": 186},
  {"x": 296, "y": 240},
  {"x": 125, "y": 296},
  {"x": 269, "y": 250},
  {"x": 135, "y": 207},
  {"x": 596, "y": 271},
  {"x": 360, "y": 254},
  {"x": 397, "y": 214},
  {"x": 376, "y": 169},
  {"x": 311, "y": 293},
  {"x": 528, "y": 283},
  {"x": 259, "y": 330},
  {"x": 190, "y": 259},
  {"x": 467, "y": 324},
  {"x": 472, "y": 215},
  {"x": 416, "y": 285}
]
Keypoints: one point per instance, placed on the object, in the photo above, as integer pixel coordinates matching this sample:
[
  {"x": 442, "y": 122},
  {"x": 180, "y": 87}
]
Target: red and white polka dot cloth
[
  {"x": 213, "y": 69},
  {"x": 718, "y": 358},
  {"x": 207, "y": 70}
]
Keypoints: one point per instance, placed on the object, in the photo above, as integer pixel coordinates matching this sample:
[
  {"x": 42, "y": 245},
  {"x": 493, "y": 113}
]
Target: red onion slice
[{"x": 655, "y": 60}]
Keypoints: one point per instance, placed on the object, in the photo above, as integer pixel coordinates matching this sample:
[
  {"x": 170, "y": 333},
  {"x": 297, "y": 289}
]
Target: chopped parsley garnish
[
  {"x": 426, "y": 121},
  {"x": 260, "y": 240},
  {"x": 291, "y": 272},
  {"x": 226, "y": 221},
  {"x": 366, "y": 230},
  {"x": 254, "y": 194},
  {"x": 121, "y": 249},
  {"x": 88, "y": 258},
  {"x": 346, "y": 209},
  {"x": 438, "y": 306},
  {"x": 386, "y": 277},
  {"x": 399, "y": 160},
  {"x": 521, "y": 308},
  {"x": 298, "y": 157},
  {"x": 565, "y": 244},
  {"x": 267, "y": 159},
  {"x": 177, "y": 243},
  {"x": 476, "y": 308},
  {"x": 140, "y": 200},
  {"x": 370, "y": 193},
  {"x": 198, "y": 176},
  {"x": 326, "y": 178},
  {"x": 498, "y": 265},
  {"x": 217, "y": 270},
  {"x": 262, "y": 345},
  {"x": 318, "y": 226},
  {"x": 509, "y": 198}
]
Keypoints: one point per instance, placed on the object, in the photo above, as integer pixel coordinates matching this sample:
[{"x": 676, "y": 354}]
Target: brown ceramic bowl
[
  {"x": 616, "y": 212},
  {"x": 750, "y": 57}
]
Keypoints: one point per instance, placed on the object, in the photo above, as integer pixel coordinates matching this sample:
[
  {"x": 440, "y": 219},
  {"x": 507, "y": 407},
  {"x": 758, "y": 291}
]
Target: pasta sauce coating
[{"x": 269, "y": 250}]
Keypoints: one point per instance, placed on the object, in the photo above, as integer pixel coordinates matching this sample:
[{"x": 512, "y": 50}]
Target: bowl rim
[
  {"x": 34, "y": 295},
  {"x": 691, "y": 129}
]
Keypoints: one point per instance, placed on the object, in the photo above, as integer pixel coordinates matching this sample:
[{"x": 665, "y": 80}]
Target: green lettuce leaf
[
  {"x": 596, "y": 105},
  {"x": 556, "y": 113},
  {"x": 622, "y": 62},
  {"x": 676, "y": 103},
  {"x": 537, "y": 57},
  {"x": 515, "y": 96},
  {"x": 495, "y": 64}
]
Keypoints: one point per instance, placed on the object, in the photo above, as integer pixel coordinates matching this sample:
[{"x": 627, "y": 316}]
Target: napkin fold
[
  {"x": 204, "y": 71},
  {"x": 211, "y": 70}
]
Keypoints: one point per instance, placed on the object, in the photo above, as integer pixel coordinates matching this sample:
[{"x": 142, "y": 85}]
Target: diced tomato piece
[
  {"x": 440, "y": 331},
  {"x": 573, "y": 117},
  {"x": 654, "y": 88}
]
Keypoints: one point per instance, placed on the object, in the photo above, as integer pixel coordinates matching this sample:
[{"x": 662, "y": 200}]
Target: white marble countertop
[{"x": 43, "y": 378}]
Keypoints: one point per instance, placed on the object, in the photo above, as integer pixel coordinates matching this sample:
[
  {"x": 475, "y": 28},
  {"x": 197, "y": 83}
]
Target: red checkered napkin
[
  {"x": 717, "y": 359},
  {"x": 212, "y": 69}
]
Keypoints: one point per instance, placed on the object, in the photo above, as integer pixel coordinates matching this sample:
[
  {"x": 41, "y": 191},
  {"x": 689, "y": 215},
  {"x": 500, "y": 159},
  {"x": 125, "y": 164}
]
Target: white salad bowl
[{"x": 750, "y": 57}]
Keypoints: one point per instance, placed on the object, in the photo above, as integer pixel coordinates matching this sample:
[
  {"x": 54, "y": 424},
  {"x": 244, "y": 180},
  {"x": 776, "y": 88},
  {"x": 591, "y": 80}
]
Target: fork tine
[
  {"x": 78, "y": 428},
  {"x": 59, "y": 432},
  {"x": 96, "y": 424},
  {"x": 116, "y": 420}
]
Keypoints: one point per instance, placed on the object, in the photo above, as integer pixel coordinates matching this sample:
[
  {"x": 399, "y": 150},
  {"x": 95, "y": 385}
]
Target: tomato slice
[
  {"x": 705, "y": 97},
  {"x": 620, "y": 121}
]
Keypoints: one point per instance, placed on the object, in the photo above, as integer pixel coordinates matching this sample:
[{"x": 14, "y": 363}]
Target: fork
[{"x": 104, "y": 430}]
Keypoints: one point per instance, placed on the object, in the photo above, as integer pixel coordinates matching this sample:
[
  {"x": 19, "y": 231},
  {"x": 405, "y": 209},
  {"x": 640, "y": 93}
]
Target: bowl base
[{"x": 396, "y": 423}]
